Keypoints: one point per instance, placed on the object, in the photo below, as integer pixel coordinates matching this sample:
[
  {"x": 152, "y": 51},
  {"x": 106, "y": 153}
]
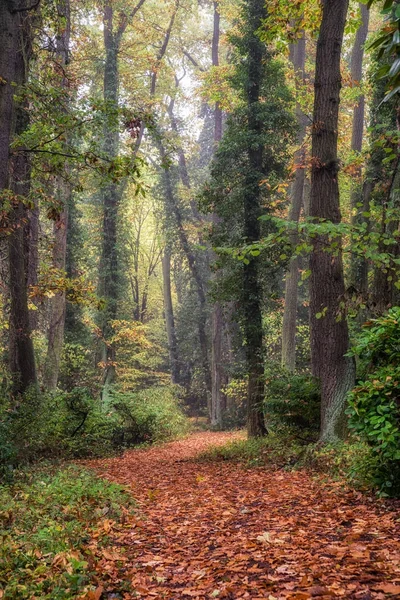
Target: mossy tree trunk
[
  {"x": 252, "y": 295},
  {"x": 60, "y": 229},
  {"x": 17, "y": 28}
]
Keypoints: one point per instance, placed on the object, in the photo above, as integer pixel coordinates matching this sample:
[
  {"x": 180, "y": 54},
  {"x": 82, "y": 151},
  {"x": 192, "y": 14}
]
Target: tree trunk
[
  {"x": 297, "y": 190},
  {"x": 172, "y": 206},
  {"x": 110, "y": 194},
  {"x": 63, "y": 187},
  {"x": 22, "y": 358},
  {"x": 252, "y": 294},
  {"x": 9, "y": 32},
  {"x": 359, "y": 266},
  {"x": 169, "y": 317},
  {"x": 329, "y": 331},
  {"x": 219, "y": 330}
]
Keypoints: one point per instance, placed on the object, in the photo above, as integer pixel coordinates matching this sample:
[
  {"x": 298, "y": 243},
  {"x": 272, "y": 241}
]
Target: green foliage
[
  {"x": 45, "y": 520},
  {"x": 292, "y": 400},
  {"x": 387, "y": 43},
  {"x": 151, "y": 415},
  {"x": 236, "y": 410},
  {"x": 275, "y": 450},
  {"x": 75, "y": 424},
  {"x": 374, "y": 407}
]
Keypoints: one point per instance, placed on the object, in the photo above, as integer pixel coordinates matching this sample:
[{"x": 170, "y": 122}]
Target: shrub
[
  {"x": 76, "y": 424},
  {"x": 150, "y": 415},
  {"x": 374, "y": 404},
  {"x": 236, "y": 411},
  {"x": 275, "y": 450},
  {"x": 45, "y": 520},
  {"x": 293, "y": 401}
]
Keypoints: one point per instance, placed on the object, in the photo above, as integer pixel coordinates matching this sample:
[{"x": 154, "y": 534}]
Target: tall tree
[
  {"x": 298, "y": 57},
  {"x": 115, "y": 23},
  {"x": 218, "y": 374},
  {"x": 329, "y": 331},
  {"x": 63, "y": 191},
  {"x": 16, "y": 26},
  {"x": 252, "y": 296},
  {"x": 359, "y": 266}
]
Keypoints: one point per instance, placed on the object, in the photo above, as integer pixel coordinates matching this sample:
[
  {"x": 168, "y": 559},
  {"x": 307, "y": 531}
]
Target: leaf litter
[{"x": 218, "y": 530}]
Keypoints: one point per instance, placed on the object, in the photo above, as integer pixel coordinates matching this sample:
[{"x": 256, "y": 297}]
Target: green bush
[
  {"x": 45, "y": 521},
  {"x": 374, "y": 404},
  {"x": 236, "y": 410},
  {"x": 150, "y": 415},
  {"x": 65, "y": 424},
  {"x": 275, "y": 450},
  {"x": 75, "y": 424},
  {"x": 293, "y": 401}
]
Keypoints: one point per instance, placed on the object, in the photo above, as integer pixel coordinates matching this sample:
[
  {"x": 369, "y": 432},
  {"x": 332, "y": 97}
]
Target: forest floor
[{"x": 218, "y": 530}]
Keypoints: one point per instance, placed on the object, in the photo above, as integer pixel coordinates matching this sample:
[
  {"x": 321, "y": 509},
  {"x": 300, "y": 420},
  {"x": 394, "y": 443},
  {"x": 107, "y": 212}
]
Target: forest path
[{"x": 217, "y": 530}]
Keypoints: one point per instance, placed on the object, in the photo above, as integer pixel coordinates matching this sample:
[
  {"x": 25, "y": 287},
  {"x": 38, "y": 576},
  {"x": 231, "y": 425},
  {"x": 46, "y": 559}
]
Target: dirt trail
[{"x": 220, "y": 531}]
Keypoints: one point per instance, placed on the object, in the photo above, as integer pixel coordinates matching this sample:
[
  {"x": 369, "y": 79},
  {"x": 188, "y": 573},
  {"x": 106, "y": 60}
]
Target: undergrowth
[
  {"x": 273, "y": 450},
  {"x": 75, "y": 424},
  {"x": 46, "y": 518},
  {"x": 353, "y": 462}
]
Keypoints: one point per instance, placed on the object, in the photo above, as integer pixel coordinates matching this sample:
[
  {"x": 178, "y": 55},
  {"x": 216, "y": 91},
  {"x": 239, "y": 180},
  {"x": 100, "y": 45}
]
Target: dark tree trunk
[
  {"x": 329, "y": 332},
  {"x": 359, "y": 266},
  {"x": 298, "y": 54},
  {"x": 22, "y": 358},
  {"x": 9, "y": 38},
  {"x": 110, "y": 195},
  {"x": 252, "y": 295},
  {"x": 169, "y": 317},
  {"x": 63, "y": 190}
]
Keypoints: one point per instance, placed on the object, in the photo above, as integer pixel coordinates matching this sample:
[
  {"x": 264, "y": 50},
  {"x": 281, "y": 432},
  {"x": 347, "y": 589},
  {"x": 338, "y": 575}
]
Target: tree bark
[
  {"x": 329, "y": 331},
  {"x": 359, "y": 266},
  {"x": 297, "y": 191},
  {"x": 60, "y": 229},
  {"x": 22, "y": 358},
  {"x": 9, "y": 32},
  {"x": 110, "y": 194},
  {"x": 218, "y": 373},
  {"x": 253, "y": 329}
]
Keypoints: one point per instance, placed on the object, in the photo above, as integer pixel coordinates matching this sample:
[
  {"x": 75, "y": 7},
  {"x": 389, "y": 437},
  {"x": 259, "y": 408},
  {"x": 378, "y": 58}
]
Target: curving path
[{"x": 218, "y": 530}]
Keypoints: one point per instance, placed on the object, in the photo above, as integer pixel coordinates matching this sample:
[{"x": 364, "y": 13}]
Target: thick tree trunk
[
  {"x": 297, "y": 190},
  {"x": 169, "y": 317},
  {"x": 329, "y": 331},
  {"x": 63, "y": 188},
  {"x": 9, "y": 37},
  {"x": 359, "y": 266},
  {"x": 110, "y": 195},
  {"x": 252, "y": 294},
  {"x": 22, "y": 358}
]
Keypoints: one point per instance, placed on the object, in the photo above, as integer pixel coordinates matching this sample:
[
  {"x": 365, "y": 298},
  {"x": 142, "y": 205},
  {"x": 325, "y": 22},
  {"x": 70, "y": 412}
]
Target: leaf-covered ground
[{"x": 217, "y": 530}]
